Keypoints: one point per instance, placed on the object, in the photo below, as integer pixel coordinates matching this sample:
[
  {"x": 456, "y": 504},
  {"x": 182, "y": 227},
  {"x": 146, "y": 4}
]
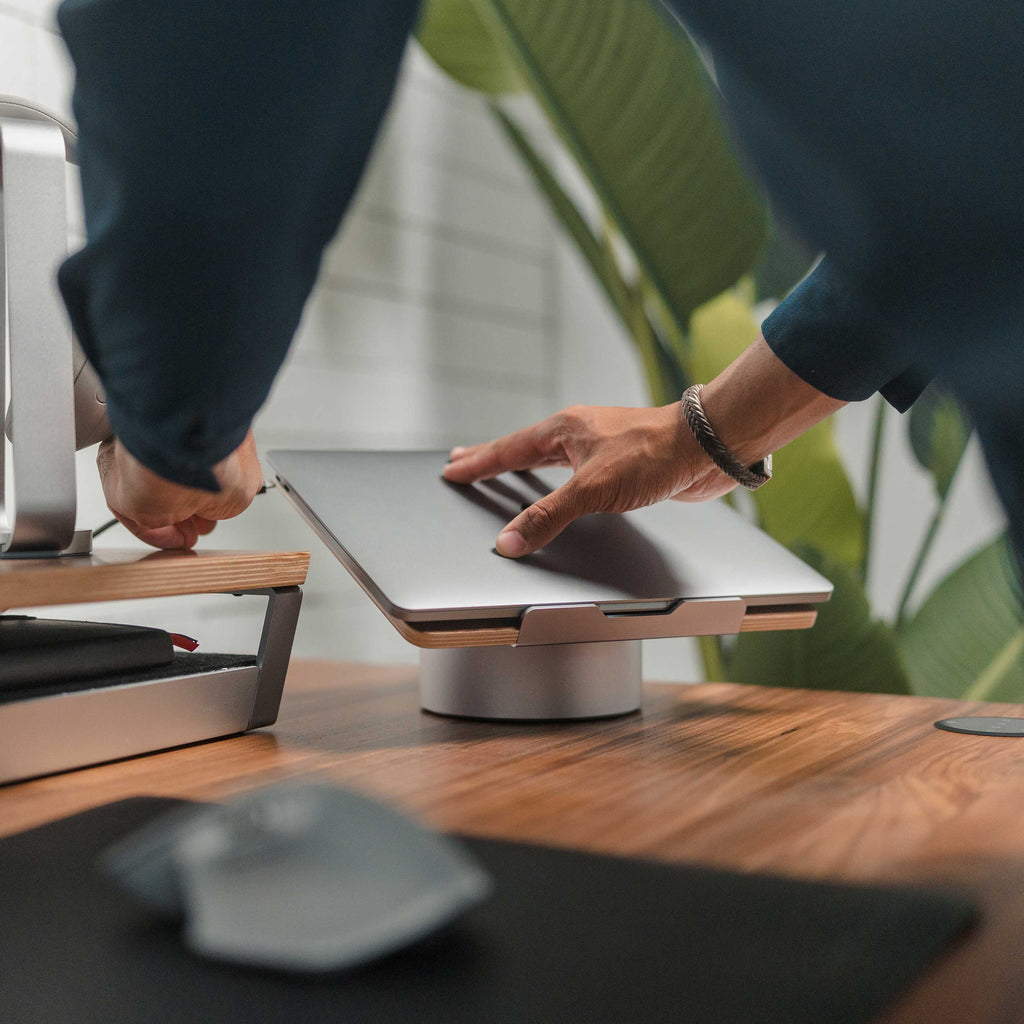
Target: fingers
[
  {"x": 544, "y": 520},
  {"x": 623, "y": 459},
  {"x": 203, "y": 526},
  {"x": 176, "y": 536},
  {"x": 169, "y": 515},
  {"x": 529, "y": 448}
]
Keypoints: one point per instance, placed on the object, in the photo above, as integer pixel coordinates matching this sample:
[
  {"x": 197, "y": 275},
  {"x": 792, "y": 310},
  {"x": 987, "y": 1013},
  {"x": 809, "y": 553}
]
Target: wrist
[
  {"x": 745, "y": 430},
  {"x": 751, "y": 476},
  {"x": 757, "y": 404},
  {"x": 702, "y": 474}
]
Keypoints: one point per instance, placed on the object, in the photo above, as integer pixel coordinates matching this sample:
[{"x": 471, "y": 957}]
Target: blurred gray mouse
[{"x": 297, "y": 877}]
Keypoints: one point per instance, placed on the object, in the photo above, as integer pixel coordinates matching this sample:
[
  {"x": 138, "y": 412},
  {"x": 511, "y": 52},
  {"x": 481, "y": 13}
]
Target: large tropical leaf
[
  {"x": 939, "y": 431},
  {"x": 662, "y": 366},
  {"x": 454, "y": 33},
  {"x": 809, "y": 500},
  {"x": 845, "y": 650},
  {"x": 624, "y": 88},
  {"x": 967, "y": 639}
]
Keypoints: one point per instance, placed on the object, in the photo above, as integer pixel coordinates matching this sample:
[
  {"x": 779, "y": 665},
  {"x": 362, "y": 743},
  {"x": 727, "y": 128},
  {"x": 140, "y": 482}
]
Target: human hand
[
  {"x": 168, "y": 515},
  {"x": 627, "y": 458},
  {"x": 622, "y": 459}
]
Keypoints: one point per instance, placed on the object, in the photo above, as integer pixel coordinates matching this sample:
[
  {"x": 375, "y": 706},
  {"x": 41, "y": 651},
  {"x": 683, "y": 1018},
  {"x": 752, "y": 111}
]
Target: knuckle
[
  {"x": 573, "y": 417},
  {"x": 539, "y": 518},
  {"x": 566, "y": 425}
]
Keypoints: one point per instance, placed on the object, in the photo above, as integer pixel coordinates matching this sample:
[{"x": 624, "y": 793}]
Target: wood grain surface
[
  {"x": 860, "y": 787},
  {"x": 115, "y": 574}
]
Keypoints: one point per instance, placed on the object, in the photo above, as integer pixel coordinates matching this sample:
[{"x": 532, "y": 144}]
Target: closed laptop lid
[{"x": 423, "y": 548}]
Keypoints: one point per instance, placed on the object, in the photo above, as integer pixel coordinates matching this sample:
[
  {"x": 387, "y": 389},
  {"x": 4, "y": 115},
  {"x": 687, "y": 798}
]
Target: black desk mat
[{"x": 567, "y": 937}]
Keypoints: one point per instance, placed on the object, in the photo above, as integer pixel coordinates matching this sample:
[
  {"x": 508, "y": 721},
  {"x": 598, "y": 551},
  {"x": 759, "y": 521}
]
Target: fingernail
[
  {"x": 510, "y": 543},
  {"x": 455, "y": 453}
]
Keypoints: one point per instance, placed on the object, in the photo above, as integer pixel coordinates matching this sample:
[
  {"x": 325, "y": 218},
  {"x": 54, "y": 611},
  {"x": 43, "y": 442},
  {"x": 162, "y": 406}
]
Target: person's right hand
[
  {"x": 168, "y": 515},
  {"x": 622, "y": 459},
  {"x": 627, "y": 458}
]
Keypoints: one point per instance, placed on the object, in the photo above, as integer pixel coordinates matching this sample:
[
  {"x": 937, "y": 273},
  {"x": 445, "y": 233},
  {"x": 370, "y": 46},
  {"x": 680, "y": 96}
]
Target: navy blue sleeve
[
  {"x": 827, "y": 332},
  {"x": 890, "y": 136},
  {"x": 220, "y": 143}
]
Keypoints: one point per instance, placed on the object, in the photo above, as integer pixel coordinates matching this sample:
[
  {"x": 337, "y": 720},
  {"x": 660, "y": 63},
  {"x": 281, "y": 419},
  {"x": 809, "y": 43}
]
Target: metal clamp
[
  {"x": 274, "y": 652},
  {"x": 587, "y": 623}
]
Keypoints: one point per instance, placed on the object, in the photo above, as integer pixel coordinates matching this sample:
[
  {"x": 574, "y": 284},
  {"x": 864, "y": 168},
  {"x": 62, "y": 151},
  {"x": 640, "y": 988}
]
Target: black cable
[{"x": 103, "y": 529}]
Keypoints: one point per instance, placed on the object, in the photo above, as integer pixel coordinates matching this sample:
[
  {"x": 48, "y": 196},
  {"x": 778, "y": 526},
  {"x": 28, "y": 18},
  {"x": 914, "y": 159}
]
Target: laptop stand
[
  {"x": 568, "y": 661},
  {"x": 555, "y": 635}
]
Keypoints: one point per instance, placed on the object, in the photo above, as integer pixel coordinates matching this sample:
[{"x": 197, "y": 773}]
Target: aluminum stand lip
[{"x": 540, "y": 683}]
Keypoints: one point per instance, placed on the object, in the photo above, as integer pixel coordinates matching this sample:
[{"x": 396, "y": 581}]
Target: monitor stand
[{"x": 551, "y": 681}]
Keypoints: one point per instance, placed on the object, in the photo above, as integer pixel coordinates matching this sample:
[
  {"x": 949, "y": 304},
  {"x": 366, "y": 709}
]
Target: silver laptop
[{"x": 423, "y": 550}]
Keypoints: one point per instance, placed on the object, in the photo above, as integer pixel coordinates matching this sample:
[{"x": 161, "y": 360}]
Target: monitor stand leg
[{"x": 532, "y": 683}]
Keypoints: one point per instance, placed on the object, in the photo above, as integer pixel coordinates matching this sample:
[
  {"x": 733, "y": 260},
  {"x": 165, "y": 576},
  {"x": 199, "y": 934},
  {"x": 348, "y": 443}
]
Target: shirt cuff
[{"x": 832, "y": 336}]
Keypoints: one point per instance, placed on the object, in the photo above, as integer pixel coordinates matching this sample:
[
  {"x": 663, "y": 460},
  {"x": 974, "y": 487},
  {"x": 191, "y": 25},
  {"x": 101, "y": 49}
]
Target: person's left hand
[{"x": 166, "y": 514}]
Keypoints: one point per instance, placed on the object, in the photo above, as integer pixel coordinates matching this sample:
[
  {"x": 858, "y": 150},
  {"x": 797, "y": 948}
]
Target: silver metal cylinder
[{"x": 532, "y": 683}]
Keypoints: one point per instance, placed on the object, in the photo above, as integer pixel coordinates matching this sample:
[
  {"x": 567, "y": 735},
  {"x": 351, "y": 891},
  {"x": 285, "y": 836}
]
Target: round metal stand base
[{"x": 532, "y": 683}]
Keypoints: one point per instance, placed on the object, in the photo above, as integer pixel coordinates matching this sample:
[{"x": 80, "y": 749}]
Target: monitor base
[
  {"x": 557, "y": 681},
  {"x": 81, "y": 544}
]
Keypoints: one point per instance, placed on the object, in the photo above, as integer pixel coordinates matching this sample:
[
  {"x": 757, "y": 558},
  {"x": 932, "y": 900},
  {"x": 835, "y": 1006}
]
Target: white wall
[{"x": 448, "y": 310}]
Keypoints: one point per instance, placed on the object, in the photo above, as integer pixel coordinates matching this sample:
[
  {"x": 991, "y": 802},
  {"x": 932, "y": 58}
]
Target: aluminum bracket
[{"x": 587, "y": 623}]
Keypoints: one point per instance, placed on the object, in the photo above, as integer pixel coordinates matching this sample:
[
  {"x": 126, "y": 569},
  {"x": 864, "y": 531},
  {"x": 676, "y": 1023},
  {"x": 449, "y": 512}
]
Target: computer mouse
[{"x": 297, "y": 877}]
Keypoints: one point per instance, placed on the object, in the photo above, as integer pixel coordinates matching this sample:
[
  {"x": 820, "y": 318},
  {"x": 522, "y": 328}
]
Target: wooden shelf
[{"x": 125, "y": 574}]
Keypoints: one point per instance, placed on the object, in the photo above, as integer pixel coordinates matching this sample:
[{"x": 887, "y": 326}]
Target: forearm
[
  {"x": 219, "y": 145},
  {"x": 757, "y": 404}
]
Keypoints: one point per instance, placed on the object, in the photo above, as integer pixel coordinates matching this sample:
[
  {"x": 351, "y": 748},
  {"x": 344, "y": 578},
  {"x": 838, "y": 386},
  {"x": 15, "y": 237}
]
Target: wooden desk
[{"x": 816, "y": 785}]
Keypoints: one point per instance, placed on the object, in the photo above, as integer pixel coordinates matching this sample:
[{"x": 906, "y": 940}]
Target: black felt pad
[{"x": 567, "y": 937}]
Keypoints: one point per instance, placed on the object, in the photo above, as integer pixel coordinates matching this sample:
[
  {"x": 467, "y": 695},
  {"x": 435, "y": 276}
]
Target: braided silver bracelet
[{"x": 750, "y": 477}]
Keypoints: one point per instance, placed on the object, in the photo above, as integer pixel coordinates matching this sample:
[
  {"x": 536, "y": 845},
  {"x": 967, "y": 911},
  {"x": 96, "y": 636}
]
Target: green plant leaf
[
  {"x": 662, "y": 371},
  {"x": 719, "y": 331},
  {"x": 967, "y": 639},
  {"x": 623, "y": 86},
  {"x": 809, "y": 499},
  {"x": 939, "y": 432},
  {"x": 457, "y": 38},
  {"x": 846, "y": 649},
  {"x": 576, "y": 226}
]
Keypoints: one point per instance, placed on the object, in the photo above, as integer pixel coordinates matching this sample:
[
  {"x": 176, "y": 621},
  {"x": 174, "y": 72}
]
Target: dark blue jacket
[{"x": 221, "y": 142}]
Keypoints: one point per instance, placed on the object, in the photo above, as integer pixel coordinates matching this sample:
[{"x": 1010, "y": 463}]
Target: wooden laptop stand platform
[{"x": 198, "y": 697}]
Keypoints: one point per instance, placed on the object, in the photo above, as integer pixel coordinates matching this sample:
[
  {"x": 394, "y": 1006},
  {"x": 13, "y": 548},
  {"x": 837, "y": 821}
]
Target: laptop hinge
[{"x": 586, "y": 623}]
